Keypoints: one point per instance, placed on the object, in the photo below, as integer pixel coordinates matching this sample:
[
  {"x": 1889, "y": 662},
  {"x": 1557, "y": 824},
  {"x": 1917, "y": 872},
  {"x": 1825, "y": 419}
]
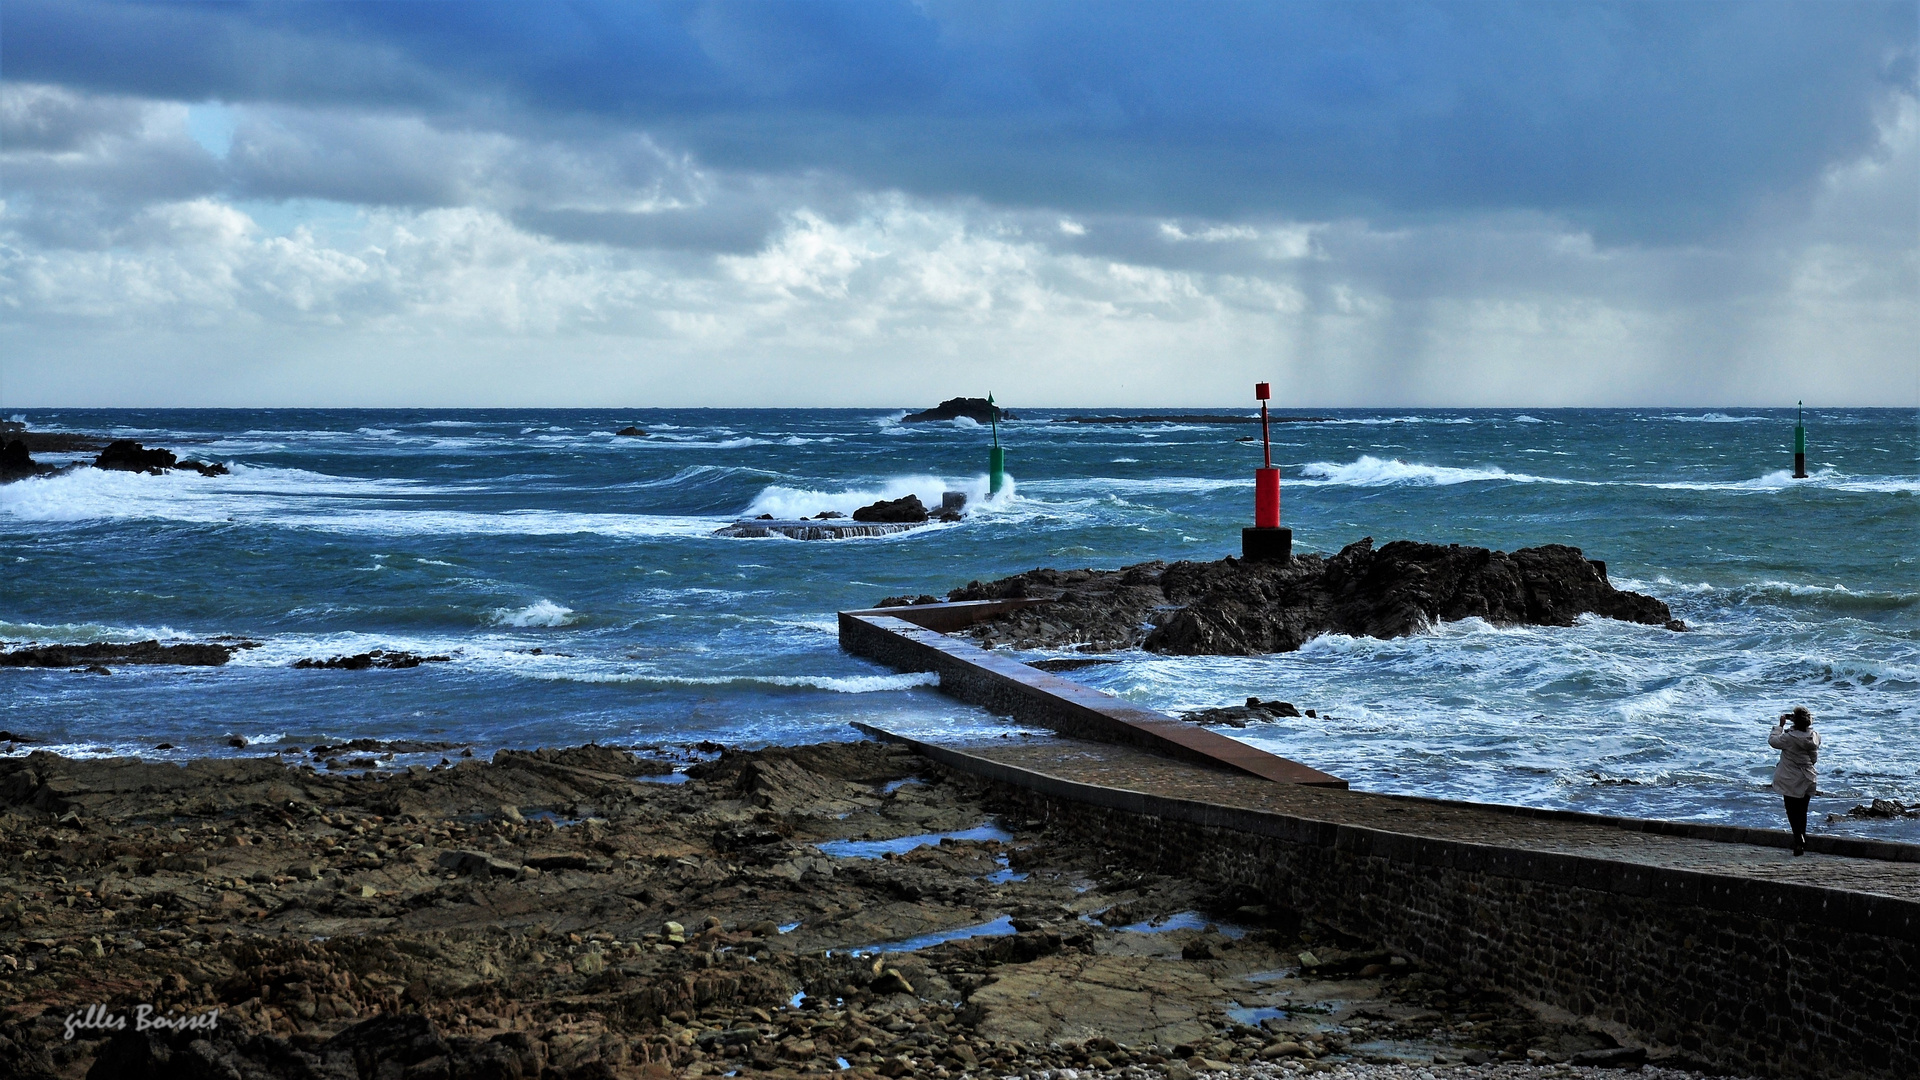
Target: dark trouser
[{"x": 1797, "y": 815}]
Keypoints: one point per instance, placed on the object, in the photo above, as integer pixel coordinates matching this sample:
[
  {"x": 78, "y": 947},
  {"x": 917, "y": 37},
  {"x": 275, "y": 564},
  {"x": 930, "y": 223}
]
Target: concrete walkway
[{"x": 1719, "y": 851}]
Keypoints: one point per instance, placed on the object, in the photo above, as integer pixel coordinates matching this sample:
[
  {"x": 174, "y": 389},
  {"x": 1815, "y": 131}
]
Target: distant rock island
[
  {"x": 1237, "y": 608},
  {"x": 979, "y": 410}
]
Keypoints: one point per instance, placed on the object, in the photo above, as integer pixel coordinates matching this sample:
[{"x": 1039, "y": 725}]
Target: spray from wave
[
  {"x": 1370, "y": 471},
  {"x": 539, "y": 613},
  {"x": 791, "y": 503}
]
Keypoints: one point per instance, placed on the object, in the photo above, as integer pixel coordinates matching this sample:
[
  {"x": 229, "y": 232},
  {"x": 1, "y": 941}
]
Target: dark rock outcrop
[
  {"x": 16, "y": 463},
  {"x": 632, "y": 432},
  {"x": 377, "y": 658},
  {"x": 126, "y": 455},
  {"x": 904, "y": 510},
  {"x": 54, "y": 442},
  {"x": 979, "y": 410},
  {"x": 192, "y": 654},
  {"x": 1254, "y": 711},
  {"x": 1236, "y": 608}
]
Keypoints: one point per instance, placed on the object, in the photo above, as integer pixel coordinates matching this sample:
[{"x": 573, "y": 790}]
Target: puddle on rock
[
  {"x": 892, "y": 786},
  {"x": 1251, "y": 1015},
  {"x": 1184, "y": 920},
  {"x": 874, "y": 849},
  {"x": 1005, "y": 874},
  {"x": 1000, "y": 927},
  {"x": 677, "y": 776}
]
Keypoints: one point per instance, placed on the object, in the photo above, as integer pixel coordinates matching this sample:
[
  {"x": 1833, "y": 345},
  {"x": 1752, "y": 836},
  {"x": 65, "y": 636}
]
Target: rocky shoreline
[
  {"x": 1241, "y": 608},
  {"x": 841, "y": 908},
  {"x": 18, "y": 445}
]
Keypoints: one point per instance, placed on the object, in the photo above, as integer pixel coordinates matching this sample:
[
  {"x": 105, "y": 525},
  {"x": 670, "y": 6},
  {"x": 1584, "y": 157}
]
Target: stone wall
[
  {"x": 1006, "y": 686},
  {"x": 1768, "y": 978}
]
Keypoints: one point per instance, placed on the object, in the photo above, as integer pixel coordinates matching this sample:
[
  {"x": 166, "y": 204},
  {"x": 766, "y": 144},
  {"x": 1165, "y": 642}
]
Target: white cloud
[{"x": 132, "y": 272}]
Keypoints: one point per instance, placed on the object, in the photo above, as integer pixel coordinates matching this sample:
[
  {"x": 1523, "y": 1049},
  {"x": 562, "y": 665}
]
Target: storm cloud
[{"x": 868, "y": 203}]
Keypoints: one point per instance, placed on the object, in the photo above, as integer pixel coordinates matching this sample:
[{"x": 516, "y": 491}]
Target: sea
[{"x": 574, "y": 578}]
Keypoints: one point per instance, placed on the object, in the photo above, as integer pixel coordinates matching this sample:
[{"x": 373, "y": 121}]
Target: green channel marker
[
  {"x": 997, "y": 456},
  {"x": 1800, "y": 443}
]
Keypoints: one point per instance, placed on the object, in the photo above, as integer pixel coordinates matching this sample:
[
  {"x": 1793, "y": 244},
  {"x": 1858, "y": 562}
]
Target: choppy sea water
[{"x": 487, "y": 535}]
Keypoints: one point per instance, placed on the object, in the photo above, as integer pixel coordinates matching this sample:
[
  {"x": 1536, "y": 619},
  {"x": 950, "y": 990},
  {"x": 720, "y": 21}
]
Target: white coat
[{"x": 1799, "y": 751}]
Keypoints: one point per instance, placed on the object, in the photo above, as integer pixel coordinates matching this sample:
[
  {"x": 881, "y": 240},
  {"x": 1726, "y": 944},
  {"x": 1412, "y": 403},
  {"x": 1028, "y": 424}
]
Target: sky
[{"x": 880, "y": 204}]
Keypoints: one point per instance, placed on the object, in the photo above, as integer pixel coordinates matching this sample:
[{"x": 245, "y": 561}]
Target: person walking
[{"x": 1793, "y": 778}]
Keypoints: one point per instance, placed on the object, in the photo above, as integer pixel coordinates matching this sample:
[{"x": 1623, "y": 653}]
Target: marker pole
[
  {"x": 996, "y": 456},
  {"x": 1266, "y": 541},
  {"x": 1800, "y": 443}
]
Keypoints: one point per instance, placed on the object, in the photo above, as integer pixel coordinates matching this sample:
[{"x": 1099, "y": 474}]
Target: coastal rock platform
[
  {"x": 1237, "y": 608},
  {"x": 849, "y": 908}
]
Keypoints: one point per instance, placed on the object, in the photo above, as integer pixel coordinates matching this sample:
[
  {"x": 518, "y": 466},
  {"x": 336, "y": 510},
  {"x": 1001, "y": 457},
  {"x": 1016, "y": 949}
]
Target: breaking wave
[
  {"x": 538, "y": 613},
  {"x": 1370, "y": 471}
]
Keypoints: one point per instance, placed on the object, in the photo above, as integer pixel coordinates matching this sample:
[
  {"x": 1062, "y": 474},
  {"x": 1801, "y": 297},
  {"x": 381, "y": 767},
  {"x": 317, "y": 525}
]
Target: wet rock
[
  {"x": 632, "y": 432},
  {"x": 17, "y": 464},
  {"x": 1254, "y": 711},
  {"x": 477, "y": 864},
  {"x": 890, "y": 982},
  {"x": 377, "y": 658},
  {"x": 1236, "y": 608},
  {"x": 905, "y": 510},
  {"x": 1883, "y": 809},
  {"x": 605, "y": 760},
  {"x": 51, "y": 442},
  {"x": 908, "y": 601},
  {"x": 979, "y": 410},
  {"x": 209, "y": 654},
  {"x": 125, "y": 455}
]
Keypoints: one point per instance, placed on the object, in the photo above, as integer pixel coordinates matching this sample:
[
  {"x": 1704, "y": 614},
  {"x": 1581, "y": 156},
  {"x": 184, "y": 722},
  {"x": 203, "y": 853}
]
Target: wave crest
[
  {"x": 541, "y": 612},
  {"x": 1370, "y": 471}
]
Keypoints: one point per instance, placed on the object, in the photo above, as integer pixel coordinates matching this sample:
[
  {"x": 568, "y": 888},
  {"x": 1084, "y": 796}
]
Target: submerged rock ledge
[{"x": 1237, "y": 608}]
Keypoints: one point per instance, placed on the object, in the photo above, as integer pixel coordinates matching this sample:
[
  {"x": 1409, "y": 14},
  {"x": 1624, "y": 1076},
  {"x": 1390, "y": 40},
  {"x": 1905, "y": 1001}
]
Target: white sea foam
[
  {"x": 1378, "y": 421},
  {"x": 293, "y": 498},
  {"x": 787, "y": 503},
  {"x": 85, "y": 633},
  {"x": 1782, "y": 480},
  {"x": 692, "y": 442},
  {"x": 1094, "y": 485},
  {"x": 541, "y": 612},
  {"x": 849, "y": 684},
  {"x": 1370, "y": 471},
  {"x": 1714, "y": 418}
]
